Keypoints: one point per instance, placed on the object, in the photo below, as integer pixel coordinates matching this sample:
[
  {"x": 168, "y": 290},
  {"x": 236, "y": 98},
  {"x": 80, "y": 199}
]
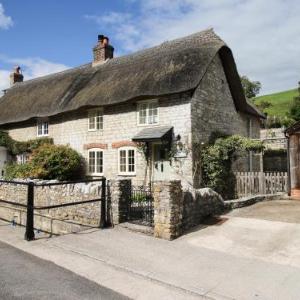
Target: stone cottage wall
[
  {"x": 213, "y": 109},
  {"x": 119, "y": 126}
]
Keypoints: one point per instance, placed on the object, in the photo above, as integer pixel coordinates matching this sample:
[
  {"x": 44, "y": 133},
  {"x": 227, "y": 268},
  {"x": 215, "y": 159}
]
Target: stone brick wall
[
  {"x": 119, "y": 126},
  {"x": 213, "y": 109},
  {"x": 83, "y": 214},
  {"x": 199, "y": 204},
  {"x": 176, "y": 211},
  {"x": 167, "y": 209}
]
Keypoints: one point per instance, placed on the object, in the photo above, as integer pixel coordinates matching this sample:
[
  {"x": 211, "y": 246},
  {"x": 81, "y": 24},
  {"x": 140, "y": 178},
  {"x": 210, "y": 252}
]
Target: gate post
[
  {"x": 103, "y": 204},
  {"x": 29, "y": 233}
]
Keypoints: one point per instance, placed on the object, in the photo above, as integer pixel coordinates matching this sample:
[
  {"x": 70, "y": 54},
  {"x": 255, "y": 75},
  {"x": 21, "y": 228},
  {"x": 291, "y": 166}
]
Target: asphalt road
[{"x": 23, "y": 276}]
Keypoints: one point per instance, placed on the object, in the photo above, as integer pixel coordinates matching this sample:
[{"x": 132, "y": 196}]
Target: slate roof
[
  {"x": 153, "y": 133},
  {"x": 172, "y": 67}
]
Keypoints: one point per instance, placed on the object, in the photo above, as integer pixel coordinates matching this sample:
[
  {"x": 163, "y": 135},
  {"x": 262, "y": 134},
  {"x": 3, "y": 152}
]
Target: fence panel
[{"x": 254, "y": 183}]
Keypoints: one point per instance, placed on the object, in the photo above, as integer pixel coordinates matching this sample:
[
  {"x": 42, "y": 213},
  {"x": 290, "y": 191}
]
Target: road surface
[{"x": 23, "y": 276}]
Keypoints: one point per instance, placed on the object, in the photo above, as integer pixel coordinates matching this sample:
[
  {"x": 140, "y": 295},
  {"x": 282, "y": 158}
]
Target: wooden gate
[{"x": 255, "y": 183}]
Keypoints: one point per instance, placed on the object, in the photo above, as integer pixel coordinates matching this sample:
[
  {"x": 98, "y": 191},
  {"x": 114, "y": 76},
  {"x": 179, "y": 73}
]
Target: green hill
[{"x": 280, "y": 102}]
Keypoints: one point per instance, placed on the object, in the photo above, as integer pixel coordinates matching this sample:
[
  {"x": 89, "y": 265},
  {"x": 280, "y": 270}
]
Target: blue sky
[{"x": 51, "y": 35}]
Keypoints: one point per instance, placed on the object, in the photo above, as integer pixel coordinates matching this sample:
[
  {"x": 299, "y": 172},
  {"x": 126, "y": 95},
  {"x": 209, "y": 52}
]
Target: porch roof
[{"x": 154, "y": 134}]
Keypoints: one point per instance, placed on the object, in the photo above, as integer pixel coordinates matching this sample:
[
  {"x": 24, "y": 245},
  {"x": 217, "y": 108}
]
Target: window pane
[
  {"x": 122, "y": 160},
  {"x": 99, "y": 168},
  {"x": 142, "y": 113},
  {"x": 91, "y": 122},
  {"x": 99, "y": 120},
  {"x": 45, "y": 127},
  {"x": 152, "y": 114},
  {"x": 91, "y": 162},
  {"x": 131, "y": 162},
  {"x": 40, "y": 129}
]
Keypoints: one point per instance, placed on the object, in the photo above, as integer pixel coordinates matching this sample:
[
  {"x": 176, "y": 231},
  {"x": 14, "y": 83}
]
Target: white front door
[{"x": 161, "y": 164}]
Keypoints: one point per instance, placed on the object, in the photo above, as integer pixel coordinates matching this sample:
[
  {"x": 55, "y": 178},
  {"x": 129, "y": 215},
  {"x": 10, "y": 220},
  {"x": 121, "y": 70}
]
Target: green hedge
[{"x": 49, "y": 162}]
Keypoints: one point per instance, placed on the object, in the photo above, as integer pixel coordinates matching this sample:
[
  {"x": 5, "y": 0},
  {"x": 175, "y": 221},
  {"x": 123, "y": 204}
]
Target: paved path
[
  {"x": 23, "y": 276},
  {"x": 242, "y": 257}
]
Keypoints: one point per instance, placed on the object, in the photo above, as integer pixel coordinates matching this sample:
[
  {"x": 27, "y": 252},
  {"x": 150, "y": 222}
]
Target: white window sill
[
  {"x": 145, "y": 125},
  {"x": 42, "y": 135},
  {"x": 127, "y": 174}
]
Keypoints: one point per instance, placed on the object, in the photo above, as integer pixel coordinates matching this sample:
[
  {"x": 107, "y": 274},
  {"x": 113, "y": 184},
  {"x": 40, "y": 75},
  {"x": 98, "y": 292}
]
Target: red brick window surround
[
  {"x": 95, "y": 145},
  {"x": 120, "y": 144}
]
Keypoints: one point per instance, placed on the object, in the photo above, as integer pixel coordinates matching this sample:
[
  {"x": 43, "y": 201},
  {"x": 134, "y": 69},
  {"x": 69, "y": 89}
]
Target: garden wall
[{"x": 56, "y": 220}]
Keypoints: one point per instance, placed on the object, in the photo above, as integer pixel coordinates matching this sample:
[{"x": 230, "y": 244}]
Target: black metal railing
[
  {"x": 140, "y": 206},
  {"x": 30, "y": 207}
]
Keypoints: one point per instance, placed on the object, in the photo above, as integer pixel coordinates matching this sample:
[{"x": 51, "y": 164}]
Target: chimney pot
[
  {"x": 102, "y": 51},
  {"x": 16, "y": 76}
]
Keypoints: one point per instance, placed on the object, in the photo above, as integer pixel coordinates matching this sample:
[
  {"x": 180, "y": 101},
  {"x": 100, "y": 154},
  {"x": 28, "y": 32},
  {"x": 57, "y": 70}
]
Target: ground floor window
[
  {"x": 95, "y": 162},
  {"x": 127, "y": 161},
  {"x": 22, "y": 158}
]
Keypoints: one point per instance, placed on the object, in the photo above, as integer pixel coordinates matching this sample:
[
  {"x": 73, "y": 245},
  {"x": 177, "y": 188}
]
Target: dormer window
[
  {"x": 147, "y": 112},
  {"x": 95, "y": 120},
  {"x": 42, "y": 127}
]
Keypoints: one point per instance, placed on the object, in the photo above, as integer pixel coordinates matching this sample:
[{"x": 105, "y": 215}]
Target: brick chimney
[
  {"x": 16, "y": 76},
  {"x": 103, "y": 50}
]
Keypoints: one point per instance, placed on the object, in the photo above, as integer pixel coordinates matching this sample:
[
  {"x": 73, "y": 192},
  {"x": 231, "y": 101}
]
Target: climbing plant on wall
[
  {"x": 217, "y": 158},
  {"x": 15, "y": 147}
]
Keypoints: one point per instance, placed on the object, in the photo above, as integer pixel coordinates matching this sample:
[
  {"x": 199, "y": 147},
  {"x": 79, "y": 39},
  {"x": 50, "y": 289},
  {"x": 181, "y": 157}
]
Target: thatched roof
[{"x": 172, "y": 67}]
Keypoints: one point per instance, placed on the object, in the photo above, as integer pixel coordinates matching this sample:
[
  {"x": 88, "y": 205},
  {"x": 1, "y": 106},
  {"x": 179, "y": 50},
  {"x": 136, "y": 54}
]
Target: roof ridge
[{"x": 44, "y": 77}]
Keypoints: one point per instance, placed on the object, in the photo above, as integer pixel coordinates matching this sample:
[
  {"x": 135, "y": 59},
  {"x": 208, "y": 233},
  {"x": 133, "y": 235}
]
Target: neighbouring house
[
  {"x": 293, "y": 144},
  {"x": 125, "y": 115},
  {"x": 275, "y": 154}
]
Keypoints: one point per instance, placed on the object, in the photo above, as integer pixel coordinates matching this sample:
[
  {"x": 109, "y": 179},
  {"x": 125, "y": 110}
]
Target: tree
[
  {"x": 251, "y": 88},
  {"x": 294, "y": 112},
  {"x": 263, "y": 105}
]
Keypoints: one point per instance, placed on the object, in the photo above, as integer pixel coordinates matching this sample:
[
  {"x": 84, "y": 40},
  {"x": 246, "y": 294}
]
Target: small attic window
[{"x": 42, "y": 127}]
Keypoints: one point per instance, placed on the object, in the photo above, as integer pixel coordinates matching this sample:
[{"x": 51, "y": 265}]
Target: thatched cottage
[{"x": 125, "y": 114}]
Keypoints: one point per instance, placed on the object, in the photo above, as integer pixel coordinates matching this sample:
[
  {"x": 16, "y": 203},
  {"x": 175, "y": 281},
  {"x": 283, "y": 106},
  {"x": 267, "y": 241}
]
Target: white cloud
[
  {"x": 31, "y": 68},
  {"x": 5, "y": 21},
  {"x": 264, "y": 36}
]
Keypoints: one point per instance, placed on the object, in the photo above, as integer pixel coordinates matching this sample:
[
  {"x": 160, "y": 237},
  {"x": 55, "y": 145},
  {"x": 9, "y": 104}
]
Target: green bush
[
  {"x": 48, "y": 162},
  {"x": 14, "y": 170},
  {"x": 56, "y": 162},
  {"x": 217, "y": 158}
]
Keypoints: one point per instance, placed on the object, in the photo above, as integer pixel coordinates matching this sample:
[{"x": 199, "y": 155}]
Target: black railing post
[
  {"x": 103, "y": 204},
  {"x": 29, "y": 233}
]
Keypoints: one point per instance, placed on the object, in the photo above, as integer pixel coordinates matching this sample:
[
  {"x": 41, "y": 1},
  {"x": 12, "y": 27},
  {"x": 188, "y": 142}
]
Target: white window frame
[
  {"x": 139, "y": 104},
  {"x": 93, "y": 113},
  {"x": 95, "y": 173},
  {"x": 42, "y": 123},
  {"x": 127, "y": 172},
  {"x": 22, "y": 158}
]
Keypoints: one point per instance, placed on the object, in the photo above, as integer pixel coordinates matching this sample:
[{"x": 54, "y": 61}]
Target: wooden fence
[{"x": 255, "y": 183}]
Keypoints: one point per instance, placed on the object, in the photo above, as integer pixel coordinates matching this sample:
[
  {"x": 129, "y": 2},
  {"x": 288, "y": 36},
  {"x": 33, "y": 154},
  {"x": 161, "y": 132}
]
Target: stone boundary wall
[
  {"x": 199, "y": 204},
  {"x": 57, "y": 220},
  {"x": 176, "y": 211}
]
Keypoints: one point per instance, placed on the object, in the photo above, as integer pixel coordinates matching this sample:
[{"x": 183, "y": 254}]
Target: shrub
[
  {"x": 217, "y": 158},
  {"x": 55, "y": 162},
  {"x": 13, "y": 170},
  {"x": 48, "y": 162}
]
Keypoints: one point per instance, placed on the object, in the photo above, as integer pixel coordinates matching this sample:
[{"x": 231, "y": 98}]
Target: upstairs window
[
  {"x": 95, "y": 162},
  {"x": 127, "y": 161},
  {"x": 95, "y": 120},
  {"x": 42, "y": 128},
  {"x": 148, "y": 112}
]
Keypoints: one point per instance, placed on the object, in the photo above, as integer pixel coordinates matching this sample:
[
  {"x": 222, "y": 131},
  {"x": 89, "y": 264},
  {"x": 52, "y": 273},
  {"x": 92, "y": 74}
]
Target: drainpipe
[{"x": 288, "y": 165}]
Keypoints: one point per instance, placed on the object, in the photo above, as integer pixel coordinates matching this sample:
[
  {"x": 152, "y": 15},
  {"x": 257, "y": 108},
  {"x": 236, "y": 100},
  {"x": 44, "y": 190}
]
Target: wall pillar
[
  {"x": 119, "y": 193},
  {"x": 168, "y": 209}
]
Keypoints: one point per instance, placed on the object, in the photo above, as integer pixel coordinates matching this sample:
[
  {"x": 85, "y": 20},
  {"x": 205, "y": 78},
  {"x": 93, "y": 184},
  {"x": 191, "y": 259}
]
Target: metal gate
[{"x": 140, "y": 206}]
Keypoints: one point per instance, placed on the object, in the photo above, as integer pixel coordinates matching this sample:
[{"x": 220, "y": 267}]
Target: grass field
[{"x": 280, "y": 102}]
